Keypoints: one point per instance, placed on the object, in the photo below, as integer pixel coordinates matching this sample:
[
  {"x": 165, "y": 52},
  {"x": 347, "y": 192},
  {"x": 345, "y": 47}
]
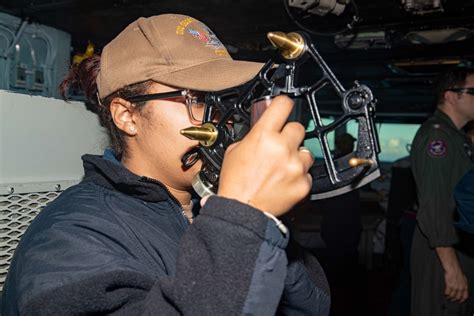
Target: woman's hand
[{"x": 268, "y": 169}]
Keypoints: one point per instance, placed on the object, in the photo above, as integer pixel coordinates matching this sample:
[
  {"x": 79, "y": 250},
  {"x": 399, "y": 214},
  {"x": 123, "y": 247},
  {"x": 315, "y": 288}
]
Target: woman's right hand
[{"x": 267, "y": 169}]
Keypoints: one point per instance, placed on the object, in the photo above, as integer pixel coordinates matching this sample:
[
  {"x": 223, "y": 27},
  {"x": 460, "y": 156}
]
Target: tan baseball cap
[{"x": 171, "y": 49}]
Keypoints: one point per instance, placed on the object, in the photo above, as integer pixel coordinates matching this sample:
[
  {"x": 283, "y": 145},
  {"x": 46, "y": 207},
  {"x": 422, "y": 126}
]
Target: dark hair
[
  {"x": 455, "y": 78},
  {"x": 83, "y": 77}
]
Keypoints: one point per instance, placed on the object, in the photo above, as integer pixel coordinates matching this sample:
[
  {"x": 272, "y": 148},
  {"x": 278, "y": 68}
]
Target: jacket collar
[
  {"x": 445, "y": 119},
  {"x": 111, "y": 174}
]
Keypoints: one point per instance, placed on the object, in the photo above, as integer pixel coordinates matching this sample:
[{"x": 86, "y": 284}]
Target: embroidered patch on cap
[
  {"x": 204, "y": 34},
  {"x": 437, "y": 148}
]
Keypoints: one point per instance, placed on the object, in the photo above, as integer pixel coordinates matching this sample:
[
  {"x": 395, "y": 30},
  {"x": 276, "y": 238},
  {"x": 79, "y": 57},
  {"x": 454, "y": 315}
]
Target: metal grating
[{"x": 16, "y": 213}]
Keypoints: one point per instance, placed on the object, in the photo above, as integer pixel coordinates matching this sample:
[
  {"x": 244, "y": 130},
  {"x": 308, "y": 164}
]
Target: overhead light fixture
[
  {"x": 320, "y": 7},
  {"x": 362, "y": 40},
  {"x": 422, "y": 6},
  {"x": 424, "y": 67},
  {"x": 439, "y": 36}
]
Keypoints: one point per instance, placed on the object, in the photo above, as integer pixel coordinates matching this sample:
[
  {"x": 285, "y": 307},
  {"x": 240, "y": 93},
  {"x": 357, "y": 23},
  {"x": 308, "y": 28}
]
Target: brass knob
[
  {"x": 205, "y": 134},
  {"x": 290, "y": 45},
  {"x": 357, "y": 162}
]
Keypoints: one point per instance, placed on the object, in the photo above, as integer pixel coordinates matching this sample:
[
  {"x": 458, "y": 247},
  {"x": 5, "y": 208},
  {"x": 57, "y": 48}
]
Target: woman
[{"x": 121, "y": 240}]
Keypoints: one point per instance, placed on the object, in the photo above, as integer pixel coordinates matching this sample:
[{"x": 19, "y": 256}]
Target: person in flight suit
[{"x": 440, "y": 156}]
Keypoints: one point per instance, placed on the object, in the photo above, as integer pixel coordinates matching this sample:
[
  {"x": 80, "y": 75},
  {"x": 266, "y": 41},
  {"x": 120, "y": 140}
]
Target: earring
[{"x": 132, "y": 128}]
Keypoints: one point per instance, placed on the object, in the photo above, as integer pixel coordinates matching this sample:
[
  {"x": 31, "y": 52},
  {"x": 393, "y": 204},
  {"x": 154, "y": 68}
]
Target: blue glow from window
[{"x": 395, "y": 139}]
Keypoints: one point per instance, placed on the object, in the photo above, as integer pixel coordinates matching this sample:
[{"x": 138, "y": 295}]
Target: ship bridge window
[{"x": 395, "y": 138}]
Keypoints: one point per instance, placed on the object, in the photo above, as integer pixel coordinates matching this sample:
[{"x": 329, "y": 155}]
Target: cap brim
[{"x": 214, "y": 75}]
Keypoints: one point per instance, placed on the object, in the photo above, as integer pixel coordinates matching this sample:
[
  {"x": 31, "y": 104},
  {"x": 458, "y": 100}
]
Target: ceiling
[{"x": 399, "y": 71}]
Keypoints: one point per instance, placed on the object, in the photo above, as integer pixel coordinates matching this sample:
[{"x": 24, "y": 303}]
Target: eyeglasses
[
  {"x": 194, "y": 100},
  {"x": 462, "y": 90}
]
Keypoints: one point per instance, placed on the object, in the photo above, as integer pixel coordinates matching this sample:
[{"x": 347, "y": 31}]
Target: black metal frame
[{"x": 463, "y": 90}]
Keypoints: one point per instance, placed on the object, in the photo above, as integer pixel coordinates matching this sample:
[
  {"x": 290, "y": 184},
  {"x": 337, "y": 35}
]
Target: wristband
[{"x": 278, "y": 223}]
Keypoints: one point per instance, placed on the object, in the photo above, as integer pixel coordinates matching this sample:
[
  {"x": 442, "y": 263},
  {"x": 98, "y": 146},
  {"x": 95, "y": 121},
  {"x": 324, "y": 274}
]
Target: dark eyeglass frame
[
  {"x": 158, "y": 96},
  {"x": 462, "y": 90}
]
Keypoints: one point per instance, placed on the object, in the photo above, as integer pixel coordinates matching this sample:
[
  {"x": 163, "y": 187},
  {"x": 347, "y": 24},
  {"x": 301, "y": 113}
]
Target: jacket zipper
[{"x": 170, "y": 195}]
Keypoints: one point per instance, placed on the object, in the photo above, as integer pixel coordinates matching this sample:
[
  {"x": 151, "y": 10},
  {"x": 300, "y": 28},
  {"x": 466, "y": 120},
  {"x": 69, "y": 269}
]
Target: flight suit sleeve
[{"x": 434, "y": 156}]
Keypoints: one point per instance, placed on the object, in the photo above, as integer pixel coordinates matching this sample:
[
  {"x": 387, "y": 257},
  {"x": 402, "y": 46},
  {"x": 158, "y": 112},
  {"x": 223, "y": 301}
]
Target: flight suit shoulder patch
[{"x": 437, "y": 148}]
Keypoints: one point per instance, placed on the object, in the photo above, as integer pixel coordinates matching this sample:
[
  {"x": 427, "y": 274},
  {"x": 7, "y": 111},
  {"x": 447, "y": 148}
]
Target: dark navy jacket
[{"x": 119, "y": 243}]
